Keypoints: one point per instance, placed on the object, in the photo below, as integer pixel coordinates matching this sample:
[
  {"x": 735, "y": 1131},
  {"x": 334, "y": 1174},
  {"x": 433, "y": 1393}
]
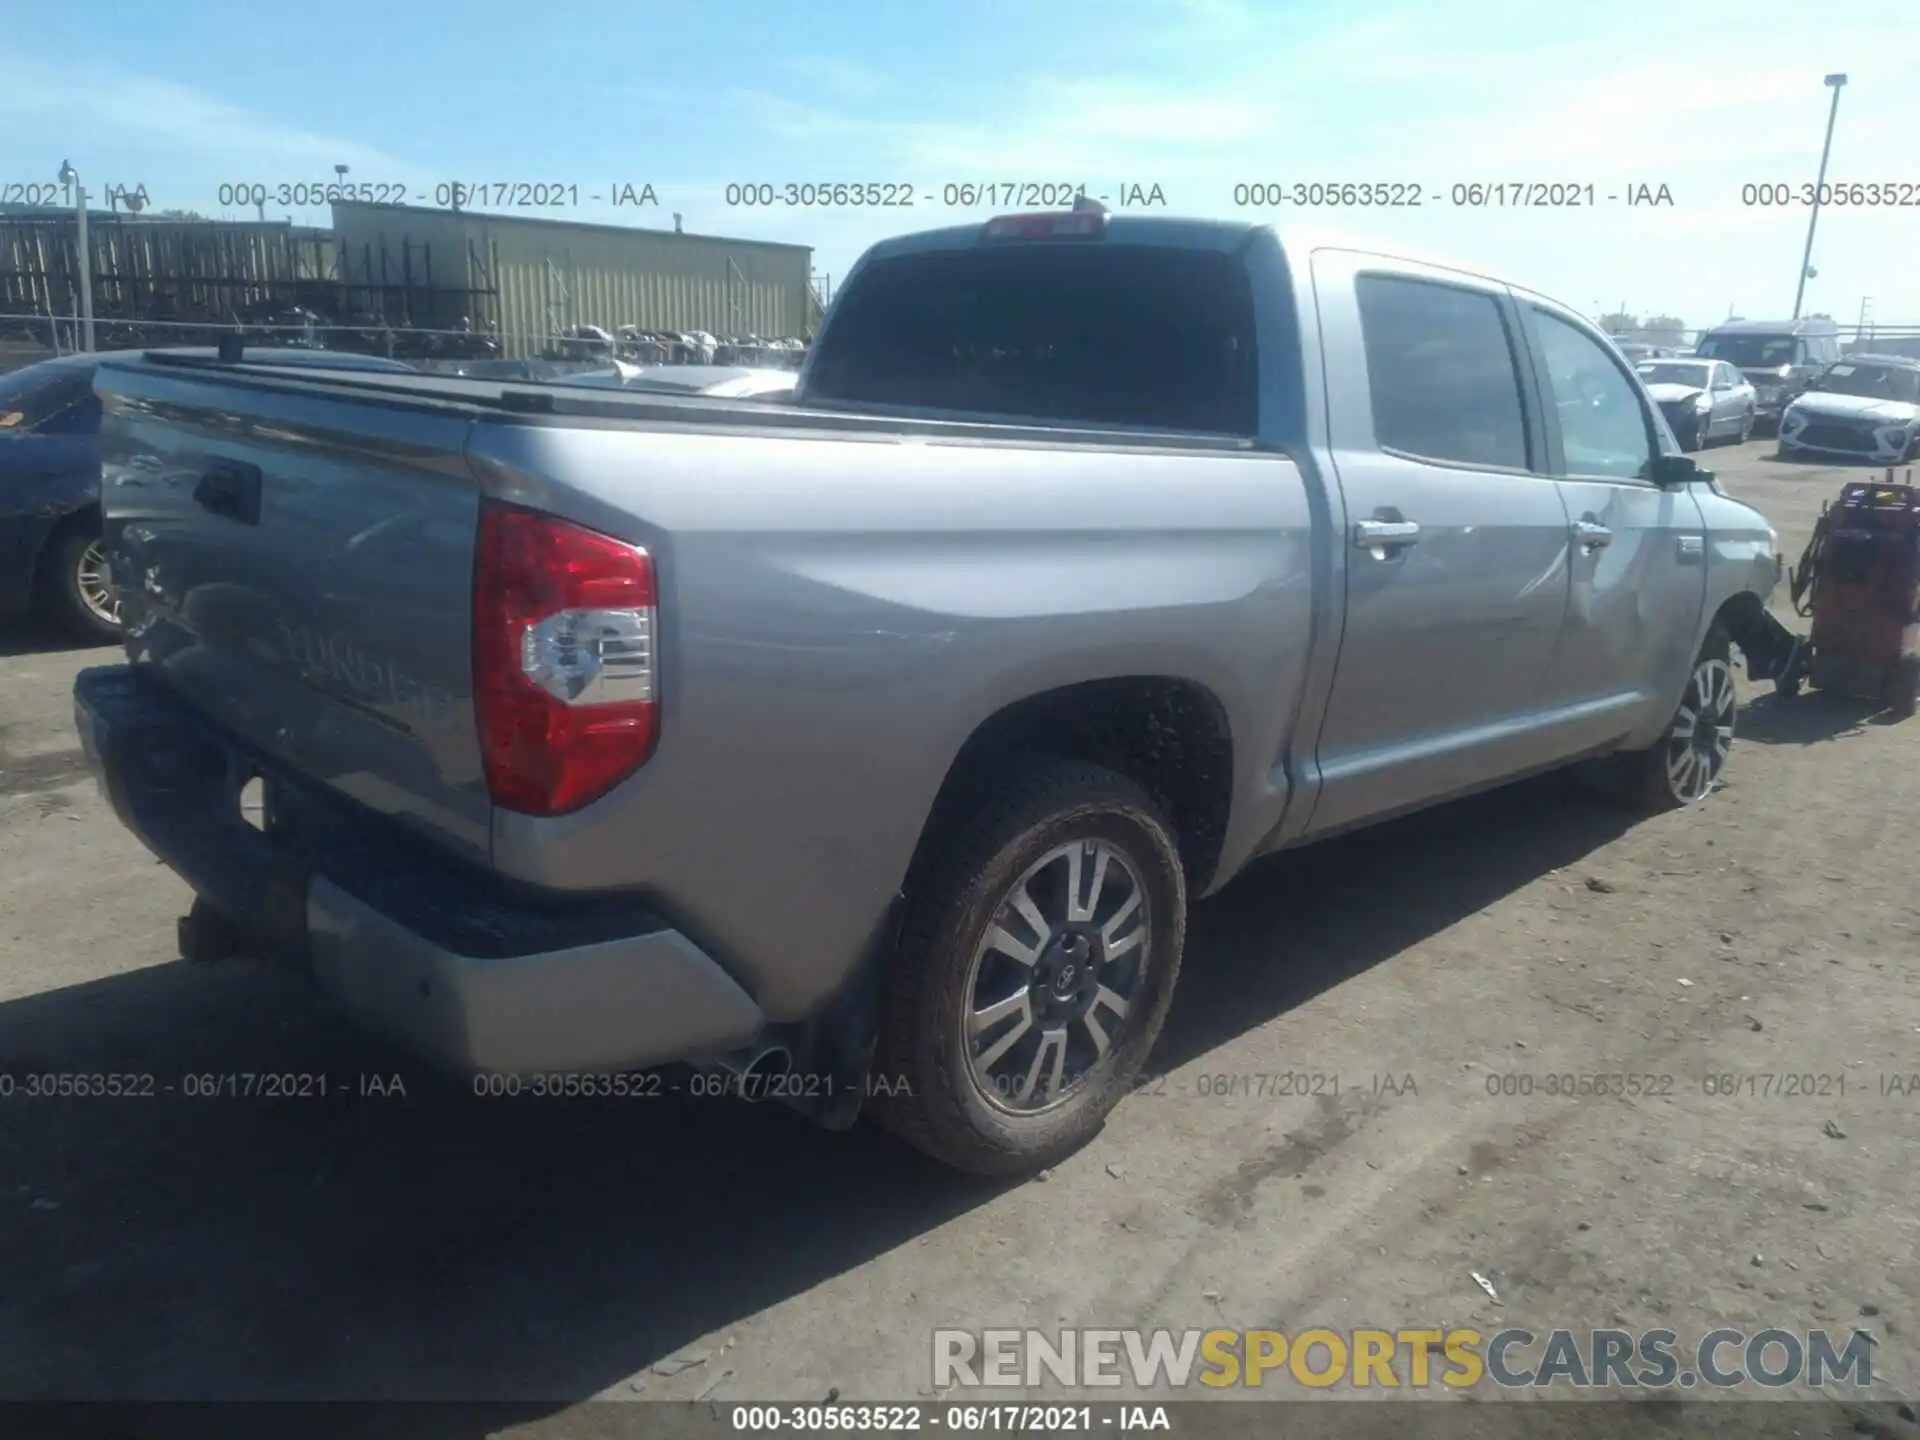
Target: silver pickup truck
[{"x": 870, "y": 748}]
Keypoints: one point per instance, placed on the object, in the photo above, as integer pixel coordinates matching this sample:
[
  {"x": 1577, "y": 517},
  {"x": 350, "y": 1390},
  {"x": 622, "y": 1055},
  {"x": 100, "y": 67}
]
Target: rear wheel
[
  {"x": 79, "y": 585},
  {"x": 1035, "y": 971},
  {"x": 1689, "y": 761},
  {"x": 1746, "y": 427}
]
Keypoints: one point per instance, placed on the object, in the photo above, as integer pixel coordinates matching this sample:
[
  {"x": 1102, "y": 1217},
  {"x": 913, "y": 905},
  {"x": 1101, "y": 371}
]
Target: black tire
[
  {"x": 64, "y": 590},
  {"x": 1746, "y": 427},
  {"x": 1656, "y": 779},
  {"x": 1702, "y": 433},
  {"x": 928, "y": 1086}
]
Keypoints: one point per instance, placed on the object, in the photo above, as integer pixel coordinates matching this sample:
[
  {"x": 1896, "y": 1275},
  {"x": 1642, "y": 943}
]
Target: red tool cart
[{"x": 1859, "y": 582}]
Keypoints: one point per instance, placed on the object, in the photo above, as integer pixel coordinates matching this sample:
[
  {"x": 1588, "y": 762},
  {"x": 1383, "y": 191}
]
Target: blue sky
[{"x": 1194, "y": 96}]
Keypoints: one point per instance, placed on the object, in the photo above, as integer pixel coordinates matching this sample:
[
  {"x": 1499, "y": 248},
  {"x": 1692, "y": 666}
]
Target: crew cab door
[
  {"x": 1638, "y": 553},
  {"x": 1453, "y": 548}
]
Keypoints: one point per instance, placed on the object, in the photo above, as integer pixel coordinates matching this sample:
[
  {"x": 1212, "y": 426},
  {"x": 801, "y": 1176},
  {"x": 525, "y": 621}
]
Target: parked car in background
[
  {"x": 501, "y": 369},
  {"x": 1865, "y": 407},
  {"x": 1703, "y": 400},
  {"x": 873, "y": 750},
  {"x": 1636, "y": 351},
  {"x": 50, "y": 551},
  {"x": 1777, "y": 356}
]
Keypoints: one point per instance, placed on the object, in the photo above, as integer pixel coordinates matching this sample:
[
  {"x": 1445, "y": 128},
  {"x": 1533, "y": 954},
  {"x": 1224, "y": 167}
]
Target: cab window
[
  {"x": 1441, "y": 373},
  {"x": 1603, "y": 429}
]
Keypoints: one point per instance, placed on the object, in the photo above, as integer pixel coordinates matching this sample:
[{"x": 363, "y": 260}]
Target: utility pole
[
  {"x": 70, "y": 177},
  {"x": 1834, "y": 83}
]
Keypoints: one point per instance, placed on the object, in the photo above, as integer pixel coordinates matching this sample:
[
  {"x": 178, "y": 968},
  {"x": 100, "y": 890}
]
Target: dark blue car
[{"x": 50, "y": 552}]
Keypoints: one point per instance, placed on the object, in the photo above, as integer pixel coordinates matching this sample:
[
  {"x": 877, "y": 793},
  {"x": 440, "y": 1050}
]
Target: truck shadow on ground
[
  {"x": 34, "y": 635},
  {"x": 1807, "y": 719},
  {"x": 534, "y": 1253}
]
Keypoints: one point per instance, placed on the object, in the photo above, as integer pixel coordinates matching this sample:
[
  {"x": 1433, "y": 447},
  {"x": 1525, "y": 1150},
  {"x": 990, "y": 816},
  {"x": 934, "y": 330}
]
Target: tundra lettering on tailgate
[{"x": 420, "y": 705}]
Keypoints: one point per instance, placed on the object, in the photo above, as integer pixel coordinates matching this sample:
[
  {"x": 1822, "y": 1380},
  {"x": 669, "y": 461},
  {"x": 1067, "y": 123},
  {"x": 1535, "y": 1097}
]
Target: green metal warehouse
[{"x": 535, "y": 277}]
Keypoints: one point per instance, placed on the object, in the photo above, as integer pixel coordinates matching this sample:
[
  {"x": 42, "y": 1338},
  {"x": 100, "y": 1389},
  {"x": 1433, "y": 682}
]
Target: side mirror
[{"x": 1670, "y": 472}]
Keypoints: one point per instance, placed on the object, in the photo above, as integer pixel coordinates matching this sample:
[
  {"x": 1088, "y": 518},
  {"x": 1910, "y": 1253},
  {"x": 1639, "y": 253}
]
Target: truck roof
[
  {"x": 1186, "y": 233},
  {"x": 1774, "y": 327}
]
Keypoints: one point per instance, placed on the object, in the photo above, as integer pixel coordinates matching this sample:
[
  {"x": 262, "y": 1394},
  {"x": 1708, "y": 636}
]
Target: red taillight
[
  {"x": 1051, "y": 225},
  {"x": 563, "y": 660}
]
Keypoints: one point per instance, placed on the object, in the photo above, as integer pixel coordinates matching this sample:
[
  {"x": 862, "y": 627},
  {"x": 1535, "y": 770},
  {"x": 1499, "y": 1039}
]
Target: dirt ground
[{"x": 537, "y": 1254}]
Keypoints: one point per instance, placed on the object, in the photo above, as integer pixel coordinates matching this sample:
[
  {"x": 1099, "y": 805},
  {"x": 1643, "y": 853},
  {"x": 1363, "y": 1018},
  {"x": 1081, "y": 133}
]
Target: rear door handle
[
  {"x": 230, "y": 488},
  {"x": 1591, "y": 536},
  {"x": 1370, "y": 534}
]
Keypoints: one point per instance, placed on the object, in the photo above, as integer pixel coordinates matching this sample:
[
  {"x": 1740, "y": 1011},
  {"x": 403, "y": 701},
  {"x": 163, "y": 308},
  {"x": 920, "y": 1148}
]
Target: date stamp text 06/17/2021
[{"x": 444, "y": 194}]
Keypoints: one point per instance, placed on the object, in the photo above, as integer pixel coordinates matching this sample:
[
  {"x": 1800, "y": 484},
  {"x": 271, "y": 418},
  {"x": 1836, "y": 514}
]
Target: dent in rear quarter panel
[
  {"x": 838, "y": 615},
  {"x": 334, "y": 635}
]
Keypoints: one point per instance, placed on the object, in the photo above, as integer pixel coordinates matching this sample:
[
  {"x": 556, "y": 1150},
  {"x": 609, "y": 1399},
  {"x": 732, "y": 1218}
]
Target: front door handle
[
  {"x": 1370, "y": 534},
  {"x": 1592, "y": 536}
]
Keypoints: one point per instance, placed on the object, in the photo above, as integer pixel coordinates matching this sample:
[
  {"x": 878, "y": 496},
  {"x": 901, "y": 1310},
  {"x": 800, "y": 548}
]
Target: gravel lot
[{"x": 541, "y": 1253}]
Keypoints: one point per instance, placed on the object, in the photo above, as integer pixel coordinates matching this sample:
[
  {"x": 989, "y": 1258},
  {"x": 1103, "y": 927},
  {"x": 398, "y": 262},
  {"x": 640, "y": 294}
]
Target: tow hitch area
[{"x": 1771, "y": 650}]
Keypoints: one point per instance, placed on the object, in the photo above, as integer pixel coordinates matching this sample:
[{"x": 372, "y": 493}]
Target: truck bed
[{"x": 843, "y": 599}]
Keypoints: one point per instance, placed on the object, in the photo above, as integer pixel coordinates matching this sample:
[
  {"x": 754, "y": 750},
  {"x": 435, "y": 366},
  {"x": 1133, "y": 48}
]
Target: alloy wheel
[
  {"x": 1059, "y": 974},
  {"x": 1701, "y": 739},
  {"x": 93, "y": 583}
]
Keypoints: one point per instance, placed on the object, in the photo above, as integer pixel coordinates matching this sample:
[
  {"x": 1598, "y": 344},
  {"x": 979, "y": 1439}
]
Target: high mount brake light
[
  {"x": 564, "y": 683},
  {"x": 1048, "y": 225}
]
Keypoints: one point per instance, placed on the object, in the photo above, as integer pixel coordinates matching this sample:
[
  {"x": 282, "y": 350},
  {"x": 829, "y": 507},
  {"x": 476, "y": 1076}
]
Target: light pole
[
  {"x": 71, "y": 177},
  {"x": 1834, "y": 83}
]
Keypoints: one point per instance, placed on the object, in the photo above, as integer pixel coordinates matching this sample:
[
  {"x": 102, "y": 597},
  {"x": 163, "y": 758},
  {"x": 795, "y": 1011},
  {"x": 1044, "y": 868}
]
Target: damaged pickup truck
[{"x": 871, "y": 747}]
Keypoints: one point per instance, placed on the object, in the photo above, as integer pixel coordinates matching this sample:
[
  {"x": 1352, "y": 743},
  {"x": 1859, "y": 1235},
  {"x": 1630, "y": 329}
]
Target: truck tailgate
[{"x": 298, "y": 565}]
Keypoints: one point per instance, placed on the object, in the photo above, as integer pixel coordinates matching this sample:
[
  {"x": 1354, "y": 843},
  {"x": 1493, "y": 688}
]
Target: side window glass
[
  {"x": 1602, "y": 426},
  {"x": 1441, "y": 373}
]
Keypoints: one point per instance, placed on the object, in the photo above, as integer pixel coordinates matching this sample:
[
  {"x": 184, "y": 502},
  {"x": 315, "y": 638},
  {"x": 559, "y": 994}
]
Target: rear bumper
[{"x": 437, "y": 955}]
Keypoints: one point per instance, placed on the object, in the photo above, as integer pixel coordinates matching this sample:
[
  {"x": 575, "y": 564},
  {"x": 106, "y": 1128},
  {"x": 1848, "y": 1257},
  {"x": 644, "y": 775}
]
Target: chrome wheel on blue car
[{"x": 78, "y": 588}]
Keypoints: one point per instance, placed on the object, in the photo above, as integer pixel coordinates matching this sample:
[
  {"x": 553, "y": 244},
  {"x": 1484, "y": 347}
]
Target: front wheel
[
  {"x": 1034, "y": 973},
  {"x": 1702, "y": 432},
  {"x": 1689, "y": 762}
]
